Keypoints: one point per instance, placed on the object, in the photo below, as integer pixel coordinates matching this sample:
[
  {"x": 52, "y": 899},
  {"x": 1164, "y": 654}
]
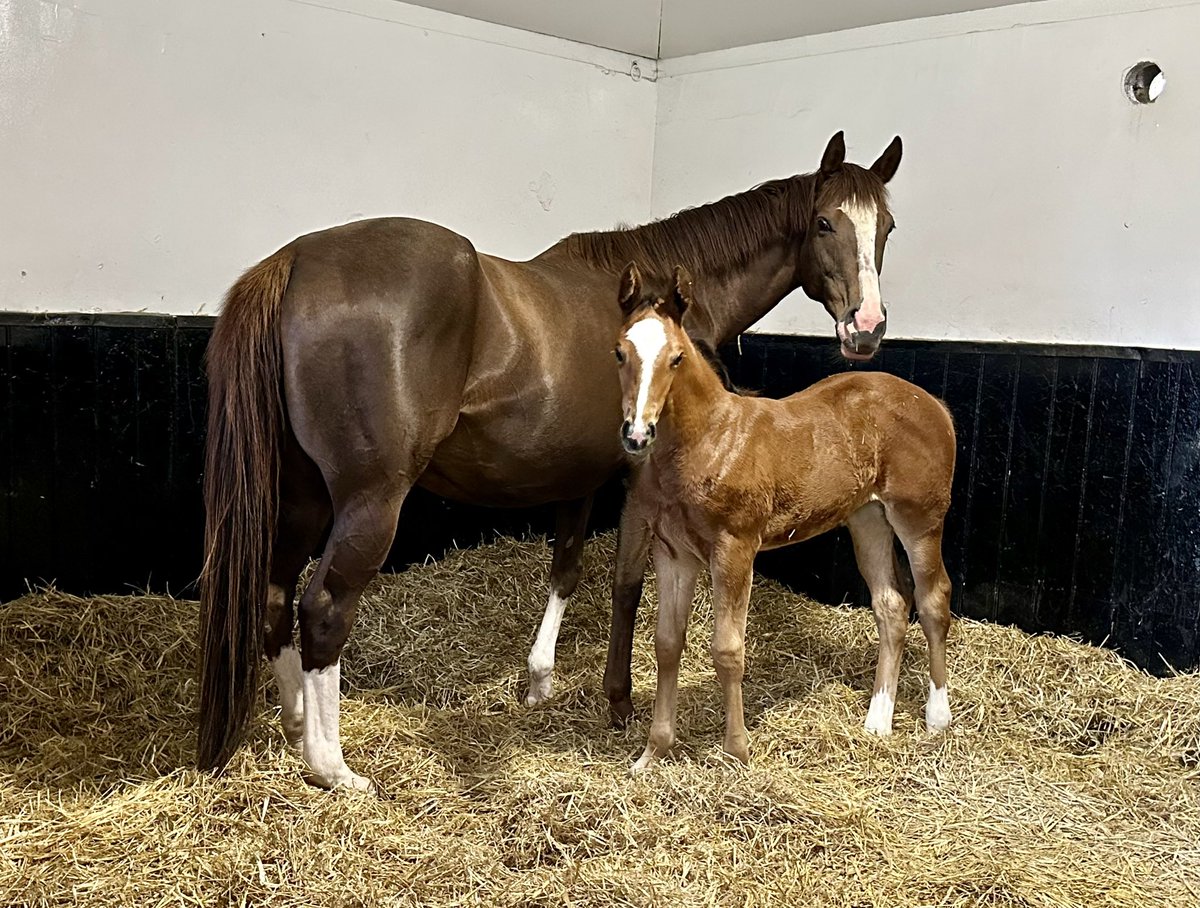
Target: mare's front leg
[
  {"x": 732, "y": 574},
  {"x": 569, "y": 534},
  {"x": 676, "y": 590},
  {"x": 629, "y": 573}
]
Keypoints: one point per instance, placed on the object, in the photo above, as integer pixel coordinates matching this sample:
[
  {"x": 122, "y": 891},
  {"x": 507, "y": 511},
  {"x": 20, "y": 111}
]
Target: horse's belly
[{"x": 499, "y": 464}]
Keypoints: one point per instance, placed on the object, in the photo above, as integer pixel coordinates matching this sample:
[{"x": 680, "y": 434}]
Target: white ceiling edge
[
  {"x": 1029, "y": 14},
  {"x": 642, "y": 28},
  {"x": 623, "y": 26},
  {"x": 423, "y": 16}
]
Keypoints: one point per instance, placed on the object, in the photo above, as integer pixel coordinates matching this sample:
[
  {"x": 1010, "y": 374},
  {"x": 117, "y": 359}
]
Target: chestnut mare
[
  {"x": 726, "y": 476},
  {"x": 357, "y": 362}
]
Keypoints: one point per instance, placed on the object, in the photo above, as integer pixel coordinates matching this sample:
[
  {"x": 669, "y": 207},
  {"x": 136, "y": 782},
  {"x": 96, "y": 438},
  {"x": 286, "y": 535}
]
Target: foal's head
[
  {"x": 842, "y": 252},
  {"x": 651, "y": 346}
]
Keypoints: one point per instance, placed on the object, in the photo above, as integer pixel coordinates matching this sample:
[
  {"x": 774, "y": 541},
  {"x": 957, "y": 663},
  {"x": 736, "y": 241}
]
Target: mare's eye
[
  {"x": 824, "y": 226},
  {"x": 620, "y": 356},
  {"x": 677, "y": 360},
  {"x": 893, "y": 227}
]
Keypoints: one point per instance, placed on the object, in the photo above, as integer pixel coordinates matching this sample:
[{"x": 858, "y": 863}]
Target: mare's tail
[{"x": 241, "y": 481}]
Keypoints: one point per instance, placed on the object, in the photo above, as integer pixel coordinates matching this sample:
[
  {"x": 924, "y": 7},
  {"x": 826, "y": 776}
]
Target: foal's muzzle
[
  {"x": 857, "y": 343},
  {"x": 635, "y": 441}
]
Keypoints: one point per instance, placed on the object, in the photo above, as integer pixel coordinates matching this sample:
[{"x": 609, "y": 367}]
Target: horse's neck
[
  {"x": 733, "y": 302},
  {"x": 696, "y": 400}
]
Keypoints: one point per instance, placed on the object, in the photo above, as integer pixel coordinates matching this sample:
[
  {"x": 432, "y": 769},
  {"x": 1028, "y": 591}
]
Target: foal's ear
[
  {"x": 835, "y": 155},
  {"x": 682, "y": 295},
  {"x": 631, "y": 288},
  {"x": 885, "y": 168}
]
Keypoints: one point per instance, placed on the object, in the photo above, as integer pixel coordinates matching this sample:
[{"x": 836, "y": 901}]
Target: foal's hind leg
[
  {"x": 569, "y": 535},
  {"x": 732, "y": 568},
  {"x": 922, "y": 540},
  {"x": 873, "y": 537}
]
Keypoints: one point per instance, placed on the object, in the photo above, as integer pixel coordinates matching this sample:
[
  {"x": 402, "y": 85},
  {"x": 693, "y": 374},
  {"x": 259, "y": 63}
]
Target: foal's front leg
[
  {"x": 732, "y": 573},
  {"x": 676, "y": 590}
]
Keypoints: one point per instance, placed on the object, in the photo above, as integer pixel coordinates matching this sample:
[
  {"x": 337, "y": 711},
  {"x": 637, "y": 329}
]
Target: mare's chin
[{"x": 854, "y": 356}]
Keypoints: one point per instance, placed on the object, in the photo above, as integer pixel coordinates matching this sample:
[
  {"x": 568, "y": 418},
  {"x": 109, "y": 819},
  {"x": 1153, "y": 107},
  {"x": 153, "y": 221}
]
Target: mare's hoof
[
  {"x": 539, "y": 691},
  {"x": 344, "y": 779},
  {"x": 620, "y": 712}
]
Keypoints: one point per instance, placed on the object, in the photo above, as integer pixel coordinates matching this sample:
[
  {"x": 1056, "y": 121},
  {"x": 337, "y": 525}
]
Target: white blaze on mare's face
[
  {"x": 648, "y": 337},
  {"x": 865, "y": 218}
]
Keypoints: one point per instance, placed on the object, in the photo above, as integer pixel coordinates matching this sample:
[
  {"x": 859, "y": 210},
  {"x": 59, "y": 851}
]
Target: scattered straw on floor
[{"x": 1067, "y": 779}]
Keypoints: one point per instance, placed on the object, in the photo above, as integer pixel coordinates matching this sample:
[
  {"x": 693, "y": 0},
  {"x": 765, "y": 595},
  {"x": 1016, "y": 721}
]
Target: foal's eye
[
  {"x": 824, "y": 226},
  {"x": 677, "y": 360},
  {"x": 620, "y": 356}
]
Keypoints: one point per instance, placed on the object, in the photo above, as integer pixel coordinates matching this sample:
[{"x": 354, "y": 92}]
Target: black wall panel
[{"x": 1076, "y": 502}]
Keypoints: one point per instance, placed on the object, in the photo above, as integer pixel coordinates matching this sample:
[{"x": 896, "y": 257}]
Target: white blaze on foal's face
[
  {"x": 864, "y": 216},
  {"x": 648, "y": 339}
]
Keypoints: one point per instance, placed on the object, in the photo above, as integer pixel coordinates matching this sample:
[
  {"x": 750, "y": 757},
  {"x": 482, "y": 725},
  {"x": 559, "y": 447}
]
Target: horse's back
[
  {"x": 909, "y": 431},
  {"x": 881, "y": 395}
]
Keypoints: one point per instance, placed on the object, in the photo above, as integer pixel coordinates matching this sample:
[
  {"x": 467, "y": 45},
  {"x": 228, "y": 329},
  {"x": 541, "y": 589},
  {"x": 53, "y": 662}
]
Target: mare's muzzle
[
  {"x": 864, "y": 343},
  {"x": 635, "y": 441}
]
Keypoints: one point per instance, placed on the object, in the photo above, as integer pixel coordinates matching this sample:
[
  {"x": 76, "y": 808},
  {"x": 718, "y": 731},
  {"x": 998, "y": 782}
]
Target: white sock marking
[
  {"x": 937, "y": 708},
  {"x": 290, "y": 681},
  {"x": 648, "y": 337},
  {"x": 879, "y": 715},
  {"x": 322, "y": 742},
  {"x": 865, "y": 218},
  {"x": 541, "y": 657}
]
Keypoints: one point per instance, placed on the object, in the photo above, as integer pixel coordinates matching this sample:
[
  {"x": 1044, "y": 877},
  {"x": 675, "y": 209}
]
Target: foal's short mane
[{"x": 723, "y": 235}]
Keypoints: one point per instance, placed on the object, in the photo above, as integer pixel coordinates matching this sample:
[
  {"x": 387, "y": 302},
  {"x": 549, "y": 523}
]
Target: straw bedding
[{"x": 1068, "y": 778}]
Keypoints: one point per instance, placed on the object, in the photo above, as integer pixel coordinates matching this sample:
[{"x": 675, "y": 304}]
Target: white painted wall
[
  {"x": 152, "y": 149},
  {"x": 1035, "y": 202}
]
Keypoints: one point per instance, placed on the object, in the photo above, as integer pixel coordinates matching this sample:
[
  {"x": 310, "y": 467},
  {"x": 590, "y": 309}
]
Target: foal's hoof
[
  {"x": 739, "y": 752},
  {"x": 937, "y": 712},
  {"x": 645, "y": 761}
]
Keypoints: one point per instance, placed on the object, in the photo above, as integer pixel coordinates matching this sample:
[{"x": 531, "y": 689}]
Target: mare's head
[
  {"x": 842, "y": 251},
  {"x": 650, "y": 348}
]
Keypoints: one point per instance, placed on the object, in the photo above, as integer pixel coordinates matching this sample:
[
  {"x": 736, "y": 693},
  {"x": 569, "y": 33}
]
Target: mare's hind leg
[
  {"x": 873, "y": 539},
  {"x": 569, "y": 535},
  {"x": 304, "y": 513},
  {"x": 363, "y": 528},
  {"x": 629, "y": 574},
  {"x": 922, "y": 540}
]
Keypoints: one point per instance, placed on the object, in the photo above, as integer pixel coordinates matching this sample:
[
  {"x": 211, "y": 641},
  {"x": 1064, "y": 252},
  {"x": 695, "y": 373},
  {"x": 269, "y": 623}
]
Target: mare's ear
[
  {"x": 835, "y": 155},
  {"x": 885, "y": 168},
  {"x": 682, "y": 295},
  {"x": 631, "y": 288}
]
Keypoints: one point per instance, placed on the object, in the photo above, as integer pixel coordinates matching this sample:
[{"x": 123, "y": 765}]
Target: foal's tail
[{"x": 241, "y": 481}]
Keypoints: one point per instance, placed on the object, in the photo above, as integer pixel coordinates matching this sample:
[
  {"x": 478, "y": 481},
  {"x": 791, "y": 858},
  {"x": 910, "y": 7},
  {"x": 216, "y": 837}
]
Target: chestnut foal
[{"x": 725, "y": 476}]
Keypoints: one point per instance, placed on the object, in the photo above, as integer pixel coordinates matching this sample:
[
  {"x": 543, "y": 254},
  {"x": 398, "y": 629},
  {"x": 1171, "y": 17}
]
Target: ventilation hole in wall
[{"x": 1145, "y": 82}]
